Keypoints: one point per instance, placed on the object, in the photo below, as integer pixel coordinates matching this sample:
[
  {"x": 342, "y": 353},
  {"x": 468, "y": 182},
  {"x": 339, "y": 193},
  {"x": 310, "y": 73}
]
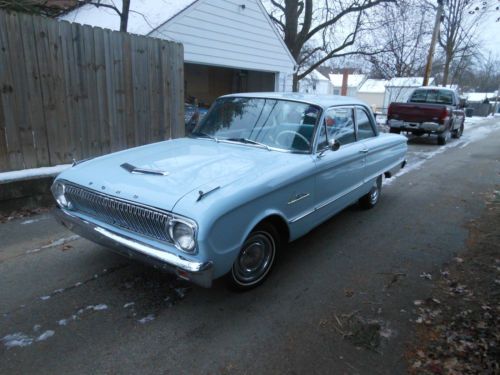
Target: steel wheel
[
  {"x": 255, "y": 258},
  {"x": 371, "y": 199}
]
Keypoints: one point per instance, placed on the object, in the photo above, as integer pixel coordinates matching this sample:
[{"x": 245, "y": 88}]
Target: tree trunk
[
  {"x": 124, "y": 15},
  {"x": 295, "y": 85},
  {"x": 446, "y": 72}
]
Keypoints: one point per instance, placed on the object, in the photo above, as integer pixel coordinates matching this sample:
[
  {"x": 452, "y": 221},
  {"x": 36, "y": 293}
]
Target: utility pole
[{"x": 432, "y": 48}]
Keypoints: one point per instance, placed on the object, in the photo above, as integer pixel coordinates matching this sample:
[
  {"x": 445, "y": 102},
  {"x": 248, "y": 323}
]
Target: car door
[
  {"x": 379, "y": 155},
  {"x": 338, "y": 173}
]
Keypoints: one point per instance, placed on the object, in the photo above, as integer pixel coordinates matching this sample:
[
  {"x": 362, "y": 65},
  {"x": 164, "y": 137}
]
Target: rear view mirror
[{"x": 462, "y": 103}]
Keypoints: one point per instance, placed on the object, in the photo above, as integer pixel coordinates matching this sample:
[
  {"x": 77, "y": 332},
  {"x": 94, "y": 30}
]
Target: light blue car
[{"x": 259, "y": 171}]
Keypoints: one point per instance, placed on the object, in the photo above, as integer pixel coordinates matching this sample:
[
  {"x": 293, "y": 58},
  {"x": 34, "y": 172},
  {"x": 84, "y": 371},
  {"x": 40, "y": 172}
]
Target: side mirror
[
  {"x": 462, "y": 103},
  {"x": 333, "y": 144}
]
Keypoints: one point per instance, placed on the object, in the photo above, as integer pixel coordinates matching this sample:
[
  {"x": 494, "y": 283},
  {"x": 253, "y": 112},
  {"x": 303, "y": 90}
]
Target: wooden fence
[{"x": 70, "y": 91}]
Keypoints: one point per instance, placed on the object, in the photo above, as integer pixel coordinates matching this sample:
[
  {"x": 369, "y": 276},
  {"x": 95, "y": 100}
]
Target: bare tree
[
  {"x": 401, "y": 32},
  {"x": 122, "y": 13},
  {"x": 316, "y": 32},
  {"x": 458, "y": 38}
]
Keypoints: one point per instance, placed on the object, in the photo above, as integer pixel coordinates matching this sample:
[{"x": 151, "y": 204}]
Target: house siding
[{"x": 222, "y": 33}]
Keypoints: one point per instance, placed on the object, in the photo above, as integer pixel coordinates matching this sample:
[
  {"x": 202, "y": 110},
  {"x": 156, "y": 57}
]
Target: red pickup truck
[{"x": 430, "y": 110}]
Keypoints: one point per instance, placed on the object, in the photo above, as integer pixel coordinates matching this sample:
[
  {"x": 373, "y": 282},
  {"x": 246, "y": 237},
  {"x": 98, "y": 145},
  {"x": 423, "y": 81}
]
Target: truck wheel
[
  {"x": 458, "y": 133},
  {"x": 370, "y": 200},
  {"x": 395, "y": 131},
  {"x": 255, "y": 259},
  {"x": 442, "y": 138}
]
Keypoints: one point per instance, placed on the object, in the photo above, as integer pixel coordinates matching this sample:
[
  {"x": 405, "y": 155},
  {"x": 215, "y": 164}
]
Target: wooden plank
[
  {"x": 34, "y": 92},
  {"x": 177, "y": 92},
  {"x": 9, "y": 92},
  {"x": 117, "y": 76},
  {"x": 129, "y": 90},
  {"x": 154, "y": 90},
  {"x": 71, "y": 90},
  {"x": 4, "y": 160},
  {"x": 108, "y": 70},
  {"x": 101, "y": 106}
]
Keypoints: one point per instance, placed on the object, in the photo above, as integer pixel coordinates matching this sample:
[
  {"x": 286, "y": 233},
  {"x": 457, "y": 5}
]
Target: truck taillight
[{"x": 445, "y": 113}]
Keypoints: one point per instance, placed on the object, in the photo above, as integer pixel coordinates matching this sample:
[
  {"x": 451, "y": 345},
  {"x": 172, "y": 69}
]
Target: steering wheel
[{"x": 295, "y": 134}]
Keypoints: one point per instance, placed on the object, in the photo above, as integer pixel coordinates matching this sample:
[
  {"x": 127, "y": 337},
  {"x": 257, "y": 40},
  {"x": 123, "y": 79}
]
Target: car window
[
  {"x": 338, "y": 125},
  {"x": 365, "y": 129},
  {"x": 432, "y": 96}
]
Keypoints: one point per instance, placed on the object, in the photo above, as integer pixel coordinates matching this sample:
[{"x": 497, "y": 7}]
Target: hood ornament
[{"x": 136, "y": 170}]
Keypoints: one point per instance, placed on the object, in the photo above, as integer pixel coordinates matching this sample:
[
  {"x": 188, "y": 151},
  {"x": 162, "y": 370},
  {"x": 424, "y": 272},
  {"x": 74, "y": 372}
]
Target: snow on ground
[
  {"x": 147, "y": 319},
  {"x": 60, "y": 241},
  {"x": 26, "y": 174}
]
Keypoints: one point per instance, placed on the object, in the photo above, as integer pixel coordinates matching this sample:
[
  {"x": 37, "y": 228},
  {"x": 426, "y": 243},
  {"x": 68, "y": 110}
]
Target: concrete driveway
[{"x": 340, "y": 300}]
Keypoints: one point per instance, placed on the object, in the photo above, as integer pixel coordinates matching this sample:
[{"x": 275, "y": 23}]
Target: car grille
[{"x": 138, "y": 219}]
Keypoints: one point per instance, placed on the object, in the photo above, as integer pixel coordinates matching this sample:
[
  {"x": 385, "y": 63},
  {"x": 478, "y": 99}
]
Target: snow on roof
[
  {"x": 407, "y": 82},
  {"x": 353, "y": 80},
  {"x": 373, "y": 86},
  {"x": 478, "y": 97},
  {"x": 316, "y": 75},
  {"x": 144, "y": 17}
]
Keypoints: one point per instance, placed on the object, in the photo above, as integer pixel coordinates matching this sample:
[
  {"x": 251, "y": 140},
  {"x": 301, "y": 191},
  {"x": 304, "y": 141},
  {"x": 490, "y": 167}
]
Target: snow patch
[
  {"x": 60, "y": 241},
  {"x": 98, "y": 307},
  {"x": 128, "y": 304},
  {"x": 44, "y": 336},
  {"x": 26, "y": 174},
  {"x": 147, "y": 319},
  {"x": 17, "y": 339},
  {"x": 44, "y": 298}
]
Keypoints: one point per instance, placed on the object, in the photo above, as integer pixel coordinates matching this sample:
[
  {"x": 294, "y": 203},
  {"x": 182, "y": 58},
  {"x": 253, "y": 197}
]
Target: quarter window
[
  {"x": 365, "y": 129},
  {"x": 338, "y": 125}
]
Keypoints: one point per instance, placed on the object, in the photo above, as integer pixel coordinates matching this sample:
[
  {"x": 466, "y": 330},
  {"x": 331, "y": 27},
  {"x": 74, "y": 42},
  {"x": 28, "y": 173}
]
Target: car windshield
[
  {"x": 432, "y": 97},
  {"x": 269, "y": 123}
]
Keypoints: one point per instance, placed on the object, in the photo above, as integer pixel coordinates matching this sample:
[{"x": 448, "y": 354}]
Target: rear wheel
[
  {"x": 458, "y": 133},
  {"x": 370, "y": 200},
  {"x": 255, "y": 259},
  {"x": 442, "y": 138}
]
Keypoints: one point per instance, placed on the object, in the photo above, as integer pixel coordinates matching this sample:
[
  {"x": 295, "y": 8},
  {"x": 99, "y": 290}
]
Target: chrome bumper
[
  {"x": 199, "y": 273},
  {"x": 425, "y": 126}
]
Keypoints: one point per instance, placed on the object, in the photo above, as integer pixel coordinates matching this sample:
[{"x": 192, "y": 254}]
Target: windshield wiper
[
  {"x": 247, "y": 141},
  {"x": 204, "y": 135}
]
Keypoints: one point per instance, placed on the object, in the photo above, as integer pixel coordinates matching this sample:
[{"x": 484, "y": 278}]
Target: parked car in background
[
  {"x": 430, "y": 110},
  {"x": 260, "y": 170}
]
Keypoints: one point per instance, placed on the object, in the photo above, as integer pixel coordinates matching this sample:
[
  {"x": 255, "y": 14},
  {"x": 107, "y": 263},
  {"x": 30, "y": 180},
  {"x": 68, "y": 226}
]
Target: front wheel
[
  {"x": 255, "y": 259},
  {"x": 370, "y": 200},
  {"x": 458, "y": 133}
]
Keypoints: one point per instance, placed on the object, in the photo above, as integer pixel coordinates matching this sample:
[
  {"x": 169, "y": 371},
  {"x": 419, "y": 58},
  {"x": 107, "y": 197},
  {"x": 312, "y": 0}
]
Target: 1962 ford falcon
[{"x": 260, "y": 170}]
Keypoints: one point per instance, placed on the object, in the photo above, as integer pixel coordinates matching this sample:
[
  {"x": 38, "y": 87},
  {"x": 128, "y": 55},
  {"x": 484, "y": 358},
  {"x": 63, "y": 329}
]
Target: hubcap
[
  {"x": 374, "y": 194},
  {"x": 255, "y": 258}
]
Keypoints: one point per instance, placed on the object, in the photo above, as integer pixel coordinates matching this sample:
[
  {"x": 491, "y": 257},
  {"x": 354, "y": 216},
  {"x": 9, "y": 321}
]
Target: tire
[
  {"x": 371, "y": 199},
  {"x": 395, "y": 130},
  {"x": 255, "y": 259},
  {"x": 458, "y": 133},
  {"x": 442, "y": 139}
]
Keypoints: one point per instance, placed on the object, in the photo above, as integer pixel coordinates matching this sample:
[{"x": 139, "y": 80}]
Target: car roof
[{"x": 323, "y": 101}]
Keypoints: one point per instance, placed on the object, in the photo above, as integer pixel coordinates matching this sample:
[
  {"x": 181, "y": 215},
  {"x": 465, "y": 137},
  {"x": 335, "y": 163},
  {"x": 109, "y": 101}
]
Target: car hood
[{"x": 188, "y": 164}]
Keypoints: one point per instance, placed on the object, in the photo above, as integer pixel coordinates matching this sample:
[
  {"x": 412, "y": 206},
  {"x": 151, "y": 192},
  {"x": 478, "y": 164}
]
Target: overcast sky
[{"x": 490, "y": 34}]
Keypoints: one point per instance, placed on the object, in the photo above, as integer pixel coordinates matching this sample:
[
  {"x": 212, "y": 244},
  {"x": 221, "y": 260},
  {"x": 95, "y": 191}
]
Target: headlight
[
  {"x": 183, "y": 233},
  {"x": 58, "y": 191}
]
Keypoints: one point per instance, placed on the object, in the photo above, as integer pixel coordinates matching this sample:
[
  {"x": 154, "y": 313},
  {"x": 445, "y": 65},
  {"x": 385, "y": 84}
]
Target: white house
[
  {"x": 372, "y": 92},
  {"x": 316, "y": 83},
  {"x": 354, "y": 82},
  {"x": 229, "y": 46},
  {"x": 399, "y": 89}
]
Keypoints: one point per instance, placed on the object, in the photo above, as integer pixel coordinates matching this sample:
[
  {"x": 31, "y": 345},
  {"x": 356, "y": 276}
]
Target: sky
[{"x": 490, "y": 34}]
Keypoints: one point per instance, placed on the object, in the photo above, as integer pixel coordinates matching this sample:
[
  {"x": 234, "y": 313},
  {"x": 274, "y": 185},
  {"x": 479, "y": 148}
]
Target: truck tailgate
[{"x": 413, "y": 112}]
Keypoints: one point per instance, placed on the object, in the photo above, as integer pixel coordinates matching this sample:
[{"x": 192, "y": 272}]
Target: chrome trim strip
[
  {"x": 326, "y": 203},
  {"x": 298, "y": 198}
]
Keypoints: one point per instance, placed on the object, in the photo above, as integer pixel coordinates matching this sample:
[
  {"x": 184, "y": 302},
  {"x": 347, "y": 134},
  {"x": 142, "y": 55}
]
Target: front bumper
[
  {"x": 199, "y": 273},
  {"x": 428, "y": 127}
]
